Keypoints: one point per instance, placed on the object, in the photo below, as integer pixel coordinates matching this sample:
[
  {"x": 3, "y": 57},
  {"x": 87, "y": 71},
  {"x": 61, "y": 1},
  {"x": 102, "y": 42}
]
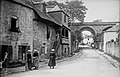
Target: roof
[
  {"x": 67, "y": 27},
  {"x": 29, "y": 3},
  {"x": 46, "y": 16},
  {"x": 114, "y": 28},
  {"x": 106, "y": 28},
  {"x": 56, "y": 8},
  {"x": 101, "y": 23},
  {"x": 95, "y": 23}
]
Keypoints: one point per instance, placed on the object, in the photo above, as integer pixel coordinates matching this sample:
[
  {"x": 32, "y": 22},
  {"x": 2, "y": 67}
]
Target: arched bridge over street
[{"x": 94, "y": 27}]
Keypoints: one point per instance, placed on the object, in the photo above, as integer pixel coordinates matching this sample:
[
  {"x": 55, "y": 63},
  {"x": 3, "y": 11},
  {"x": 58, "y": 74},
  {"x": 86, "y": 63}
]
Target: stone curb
[{"x": 112, "y": 61}]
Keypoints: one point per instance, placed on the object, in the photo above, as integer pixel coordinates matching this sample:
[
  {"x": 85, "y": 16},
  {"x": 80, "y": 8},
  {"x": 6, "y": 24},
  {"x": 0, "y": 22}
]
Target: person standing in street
[
  {"x": 29, "y": 59},
  {"x": 52, "y": 59},
  {"x": 0, "y": 67},
  {"x": 5, "y": 62}
]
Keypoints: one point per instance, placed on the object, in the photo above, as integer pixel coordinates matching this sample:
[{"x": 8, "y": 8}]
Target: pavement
[
  {"x": 76, "y": 55},
  {"x": 112, "y": 61},
  {"x": 41, "y": 64},
  {"x": 89, "y": 64}
]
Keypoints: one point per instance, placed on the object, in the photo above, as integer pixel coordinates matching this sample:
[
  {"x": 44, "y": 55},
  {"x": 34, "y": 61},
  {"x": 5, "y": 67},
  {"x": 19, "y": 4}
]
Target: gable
[{"x": 56, "y": 8}]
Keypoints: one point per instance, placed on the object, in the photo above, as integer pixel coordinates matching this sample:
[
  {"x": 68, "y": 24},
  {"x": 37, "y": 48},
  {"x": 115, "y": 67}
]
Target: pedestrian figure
[
  {"x": 52, "y": 61},
  {"x": 1, "y": 67},
  {"x": 29, "y": 60},
  {"x": 5, "y": 62},
  {"x": 35, "y": 59}
]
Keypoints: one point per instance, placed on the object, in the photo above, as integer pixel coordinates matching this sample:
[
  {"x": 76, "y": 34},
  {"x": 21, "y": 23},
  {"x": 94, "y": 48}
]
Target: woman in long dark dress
[{"x": 52, "y": 61}]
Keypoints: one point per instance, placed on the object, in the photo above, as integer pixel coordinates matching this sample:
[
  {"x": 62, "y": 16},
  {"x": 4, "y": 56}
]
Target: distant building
[
  {"x": 111, "y": 41},
  {"x": 110, "y": 34}
]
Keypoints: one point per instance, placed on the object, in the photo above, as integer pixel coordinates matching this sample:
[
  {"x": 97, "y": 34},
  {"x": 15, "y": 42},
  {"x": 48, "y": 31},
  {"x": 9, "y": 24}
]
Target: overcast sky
[{"x": 107, "y": 10}]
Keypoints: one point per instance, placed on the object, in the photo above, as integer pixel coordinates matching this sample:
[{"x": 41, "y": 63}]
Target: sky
[
  {"x": 86, "y": 33},
  {"x": 107, "y": 10}
]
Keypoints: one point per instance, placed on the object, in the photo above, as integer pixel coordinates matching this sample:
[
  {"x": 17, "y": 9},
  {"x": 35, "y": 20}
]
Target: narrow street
[{"x": 90, "y": 64}]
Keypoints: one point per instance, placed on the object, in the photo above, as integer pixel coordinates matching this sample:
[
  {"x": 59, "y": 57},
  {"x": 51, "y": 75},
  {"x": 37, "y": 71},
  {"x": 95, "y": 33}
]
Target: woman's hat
[
  {"x": 53, "y": 49},
  {"x": 29, "y": 50},
  {"x": 35, "y": 50}
]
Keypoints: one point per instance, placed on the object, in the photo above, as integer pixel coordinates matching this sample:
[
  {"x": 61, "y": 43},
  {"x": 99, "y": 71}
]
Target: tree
[
  {"x": 76, "y": 9},
  {"x": 78, "y": 35},
  {"x": 51, "y": 3}
]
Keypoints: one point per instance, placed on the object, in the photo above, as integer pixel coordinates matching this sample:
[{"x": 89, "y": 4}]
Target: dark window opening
[
  {"x": 48, "y": 33},
  {"x": 21, "y": 52},
  {"x": 14, "y": 27},
  {"x": 3, "y": 50},
  {"x": 65, "y": 18},
  {"x": 66, "y": 33},
  {"x": 63, "y": 32},
  {"x": 35, "y": 54}
]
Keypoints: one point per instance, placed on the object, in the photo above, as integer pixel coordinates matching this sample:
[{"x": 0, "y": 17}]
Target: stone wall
[
  {"x": 41, "y": 43},
  {"x": 32, "y": 33},
  {"x": 52, "y": 39},
  {"x": 24, "y": 17},
  {"x": 39, "y": 35},
  {"x": 112, "y": 48}
]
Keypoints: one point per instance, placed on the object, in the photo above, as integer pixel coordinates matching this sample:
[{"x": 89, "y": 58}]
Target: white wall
[{"x": 109, "y": 36}]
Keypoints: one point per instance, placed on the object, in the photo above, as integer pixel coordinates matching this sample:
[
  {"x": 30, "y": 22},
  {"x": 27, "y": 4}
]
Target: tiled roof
[
  {"x": 30, "y": 4},
  {"x": 46, "y": 16}
]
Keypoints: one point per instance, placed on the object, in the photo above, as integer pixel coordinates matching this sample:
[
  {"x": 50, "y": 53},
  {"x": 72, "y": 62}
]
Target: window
[
  {"x": 3, "y": 49},
  {"x": 63, "y": 32},
  {"x": 48, "y": 33},
  {"x": 65, "y": 18},
  {"x": 21, "y": 52},
  {"x": 66, "y": 33},
  {"x": 14, "y": 27}
]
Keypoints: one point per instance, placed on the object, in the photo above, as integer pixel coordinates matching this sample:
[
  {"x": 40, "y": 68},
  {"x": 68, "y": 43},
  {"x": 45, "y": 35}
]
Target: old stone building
[
  {"x": 16, "y": 30},
  {"x": 25, "y": 25},
  {"x": 62, "y": 18}
]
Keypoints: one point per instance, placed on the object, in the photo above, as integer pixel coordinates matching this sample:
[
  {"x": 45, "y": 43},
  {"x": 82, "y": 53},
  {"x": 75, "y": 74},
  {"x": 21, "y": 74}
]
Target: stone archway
[
  {"x": 87, "y": 34},
  {"x": 88, "y": 29}
]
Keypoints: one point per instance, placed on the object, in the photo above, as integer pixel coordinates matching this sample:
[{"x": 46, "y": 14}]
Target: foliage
[
  {"x": 51, "y": 3},
  {"x": 73, "y": 37},
  {"x": 78, "y": 35},
  {"x": 75, "y": 9}
]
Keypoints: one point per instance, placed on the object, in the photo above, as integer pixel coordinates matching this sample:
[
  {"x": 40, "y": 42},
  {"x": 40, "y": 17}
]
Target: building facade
[
  {"x": 65, "y": 35},
  {"x": 16, "y": 30},
  {"x": 24, "y": 25},
  {"x": 111, "y": 42}
]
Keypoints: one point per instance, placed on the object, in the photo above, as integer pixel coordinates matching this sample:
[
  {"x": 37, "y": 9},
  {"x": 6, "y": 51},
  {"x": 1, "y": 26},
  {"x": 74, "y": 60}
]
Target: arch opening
[{"x": 86, "y": 36}]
